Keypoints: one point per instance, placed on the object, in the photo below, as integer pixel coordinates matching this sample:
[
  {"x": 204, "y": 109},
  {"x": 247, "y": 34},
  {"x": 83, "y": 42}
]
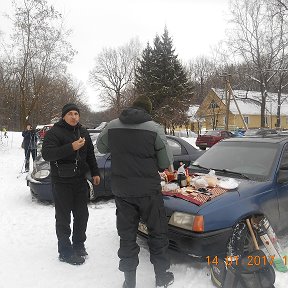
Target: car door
[
  {"x": 104, "y": 166},
  {"x": 107, "y": 173},
  {"x": 283, "y": 193}
]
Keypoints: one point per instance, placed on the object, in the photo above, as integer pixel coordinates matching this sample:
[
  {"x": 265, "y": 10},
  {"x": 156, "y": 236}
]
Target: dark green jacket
[{"x": 139, "y": 149}]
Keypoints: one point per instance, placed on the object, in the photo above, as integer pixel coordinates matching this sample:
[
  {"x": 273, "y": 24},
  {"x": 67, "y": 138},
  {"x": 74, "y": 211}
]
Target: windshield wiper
[
  {"x": 199, "y": 166},
  {"x": 231, "y": 172}
]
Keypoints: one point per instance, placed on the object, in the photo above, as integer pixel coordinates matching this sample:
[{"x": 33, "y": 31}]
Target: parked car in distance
[
  {"x": 185, "y": 133},
  {"x": 212, "y": 137},
  {"x": 260, "y": 132},
  {"x": 259, "y": 167},
  {"x": 39, "y": 180},
  {"x": 42, "y": 130}
]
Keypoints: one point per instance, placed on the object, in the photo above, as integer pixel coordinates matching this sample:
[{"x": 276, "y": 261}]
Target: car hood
[{"x": 246, "y": 188}]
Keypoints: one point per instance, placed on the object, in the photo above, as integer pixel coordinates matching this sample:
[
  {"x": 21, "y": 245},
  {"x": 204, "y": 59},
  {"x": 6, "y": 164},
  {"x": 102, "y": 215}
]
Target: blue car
[
  {"x": 259, "y": 167},
  {"x": 39, "y": 180}
]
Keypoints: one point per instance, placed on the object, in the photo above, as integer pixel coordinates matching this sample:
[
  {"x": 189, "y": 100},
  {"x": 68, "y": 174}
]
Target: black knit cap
[
  {"x": 143, "y": 102},
  {"x": 69, "y": 107}
]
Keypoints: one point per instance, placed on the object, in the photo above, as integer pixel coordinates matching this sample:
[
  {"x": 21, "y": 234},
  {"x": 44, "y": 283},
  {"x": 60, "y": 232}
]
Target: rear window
[
  {"x": 212, "y": 133},
  {"x": 174, "y": 146}
]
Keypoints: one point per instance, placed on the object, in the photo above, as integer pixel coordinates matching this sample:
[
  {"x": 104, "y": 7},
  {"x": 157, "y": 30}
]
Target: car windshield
[
  {"x": 253, "y": 159},
  {"x": 96, "y": 151},
  {"x": 94, "y": 135},
  {"x": 251, "y": 132}
]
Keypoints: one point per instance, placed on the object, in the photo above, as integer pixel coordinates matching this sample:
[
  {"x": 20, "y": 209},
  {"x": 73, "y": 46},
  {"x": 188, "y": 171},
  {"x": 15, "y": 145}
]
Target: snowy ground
[{"x": 28, "y": 241}]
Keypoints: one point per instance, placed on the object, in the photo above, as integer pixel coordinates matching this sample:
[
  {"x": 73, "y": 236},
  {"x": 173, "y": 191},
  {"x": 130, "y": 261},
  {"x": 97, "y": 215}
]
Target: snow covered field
[{"x": 29, "y": 256}]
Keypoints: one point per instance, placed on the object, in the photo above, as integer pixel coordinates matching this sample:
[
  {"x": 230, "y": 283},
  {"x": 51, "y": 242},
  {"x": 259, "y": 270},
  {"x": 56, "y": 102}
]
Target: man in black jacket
[
  {"x": 139, "y": 149},
  {"x": 29, "y": 144},
  {"x": 68, "y": 147}
]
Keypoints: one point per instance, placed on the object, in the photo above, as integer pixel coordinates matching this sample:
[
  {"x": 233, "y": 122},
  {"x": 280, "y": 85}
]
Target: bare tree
[
  {"x": 39, "y": 53},
  {"x": 202, "y": 72},
  {"x": 257, "y": 37},
  {"x": 280, "y": 80},
  {"x": 114, "y": 72},
  {"x": 283, "y": 3}
]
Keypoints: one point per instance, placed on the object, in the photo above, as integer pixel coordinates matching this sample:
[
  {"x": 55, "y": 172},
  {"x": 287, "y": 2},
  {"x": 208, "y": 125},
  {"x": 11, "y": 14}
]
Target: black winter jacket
[
  {"x": 139, "y": 149},
  {"x": 57, "y": 146},
  {"x": 29, "y": 139}
]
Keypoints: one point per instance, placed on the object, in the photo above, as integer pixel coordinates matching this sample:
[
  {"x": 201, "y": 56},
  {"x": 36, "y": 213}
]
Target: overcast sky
[{"x": 194, "y": 25}]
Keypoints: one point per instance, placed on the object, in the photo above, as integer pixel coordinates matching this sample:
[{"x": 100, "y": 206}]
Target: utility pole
[
  {"x": 232, "y": 94},
  {"x": 227, "y": 98}
]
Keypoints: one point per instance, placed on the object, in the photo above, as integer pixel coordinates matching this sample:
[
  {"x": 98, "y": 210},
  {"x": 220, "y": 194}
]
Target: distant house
[{"x": 212, "y": 114}]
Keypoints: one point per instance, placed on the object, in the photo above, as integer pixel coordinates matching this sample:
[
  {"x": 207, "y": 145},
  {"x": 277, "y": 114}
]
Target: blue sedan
[
  {"x": 259, "y": 166},
  {"x": 39, "y": 180}
]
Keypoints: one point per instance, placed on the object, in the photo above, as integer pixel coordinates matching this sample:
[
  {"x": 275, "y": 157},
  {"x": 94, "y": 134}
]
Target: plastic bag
[{"x": 228, "y": 183}]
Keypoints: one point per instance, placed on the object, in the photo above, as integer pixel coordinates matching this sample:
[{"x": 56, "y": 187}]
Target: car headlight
[
  {"x": 187, "y": 221},
  {"x": 41, "y": 174}
]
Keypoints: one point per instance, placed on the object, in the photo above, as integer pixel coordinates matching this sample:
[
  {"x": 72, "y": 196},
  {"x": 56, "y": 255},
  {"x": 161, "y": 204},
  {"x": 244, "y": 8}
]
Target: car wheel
[
  {"x": 248, "y": 244},
  {"x": 91, "y": 194},
  {"x": 241, "y": 241},
  {"x": 202, "y": 148}
]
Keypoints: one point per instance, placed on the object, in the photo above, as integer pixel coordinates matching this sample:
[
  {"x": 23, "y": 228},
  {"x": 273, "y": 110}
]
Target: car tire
[
  {"x": 248, "y": 244},
  {"x": 241, "y": 241},
  {"x": 202, "y": 148}
]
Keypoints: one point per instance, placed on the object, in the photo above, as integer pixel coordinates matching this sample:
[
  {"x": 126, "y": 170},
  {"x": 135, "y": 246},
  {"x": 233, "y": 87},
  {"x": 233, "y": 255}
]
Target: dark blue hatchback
[{"x": 260, "y": 168}]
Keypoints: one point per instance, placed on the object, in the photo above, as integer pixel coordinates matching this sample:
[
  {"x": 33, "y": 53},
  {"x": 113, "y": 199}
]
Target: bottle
[{"x": 181, "y": 176}]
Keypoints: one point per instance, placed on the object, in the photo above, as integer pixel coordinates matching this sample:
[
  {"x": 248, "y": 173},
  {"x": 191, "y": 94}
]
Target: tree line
[{"x": 34, "y": 83}]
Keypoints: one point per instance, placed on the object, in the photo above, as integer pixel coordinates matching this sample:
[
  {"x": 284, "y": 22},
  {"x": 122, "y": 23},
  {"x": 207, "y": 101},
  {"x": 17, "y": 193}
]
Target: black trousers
[
  {"x": 151, "y": 210},
  {"x": 70, "y": 197},
  {"x": 29, "y": 151}
]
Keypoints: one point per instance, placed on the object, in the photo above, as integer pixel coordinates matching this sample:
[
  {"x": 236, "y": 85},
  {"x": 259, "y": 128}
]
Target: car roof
[
  {"x": 268, "y": 139},
  {"x": 92, "y": 130}
]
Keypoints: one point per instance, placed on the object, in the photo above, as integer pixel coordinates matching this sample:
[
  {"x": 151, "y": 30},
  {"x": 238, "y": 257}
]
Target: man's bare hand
[
  {"x": 78, "y": 144},
  {"x": 96, "y": 180}
]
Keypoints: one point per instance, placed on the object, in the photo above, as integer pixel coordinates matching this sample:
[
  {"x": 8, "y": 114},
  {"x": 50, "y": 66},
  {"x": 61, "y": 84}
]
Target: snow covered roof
[
  {"x": 249, "y": 102},
  {"x": 192, "y": 112}
]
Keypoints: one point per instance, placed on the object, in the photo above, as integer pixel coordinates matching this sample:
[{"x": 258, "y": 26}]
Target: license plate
[{"x": 143, "y": 228}]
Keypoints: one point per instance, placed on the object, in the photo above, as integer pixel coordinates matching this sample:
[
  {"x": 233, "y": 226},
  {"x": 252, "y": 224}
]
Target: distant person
[
  {"x": 29, "y": 145},
  {"x": 139, "y": 149},
  {"x": 68, "y": 147},
  {"x": 5, "y": 132}
]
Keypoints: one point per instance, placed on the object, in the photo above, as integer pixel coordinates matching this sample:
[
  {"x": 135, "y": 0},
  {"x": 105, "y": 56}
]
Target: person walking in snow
[
  {"x": 29, "y": 145},
  {"x": 139, "y": 149},
  {"x": 68, "y": 147},
  {"x": 5, "y": 132}
]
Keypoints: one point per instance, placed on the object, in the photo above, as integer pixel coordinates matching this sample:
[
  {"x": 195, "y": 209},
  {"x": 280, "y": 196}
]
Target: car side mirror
[{"x": 282, "y": 175}]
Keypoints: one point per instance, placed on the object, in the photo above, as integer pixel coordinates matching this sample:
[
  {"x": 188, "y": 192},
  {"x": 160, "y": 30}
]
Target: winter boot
[
  {"x": 164, "y": 279},
  {"x": 80, "y": 250},
  {"x": 72, "y": 259},
  {"x": 130, "y": 279}
]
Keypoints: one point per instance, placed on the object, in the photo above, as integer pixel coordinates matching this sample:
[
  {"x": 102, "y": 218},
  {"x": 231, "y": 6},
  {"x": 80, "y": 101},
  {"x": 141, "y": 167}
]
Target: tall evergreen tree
[
  {"x": 161, "y": 77},
  {"x": 143, "y": 72}
]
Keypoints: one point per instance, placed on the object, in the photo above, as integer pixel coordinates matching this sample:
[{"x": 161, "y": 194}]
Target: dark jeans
[
  {"x": 151, "y": 210},
  {"x": 28, "y": 151},
  {"x": 70, "y": 197}
]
